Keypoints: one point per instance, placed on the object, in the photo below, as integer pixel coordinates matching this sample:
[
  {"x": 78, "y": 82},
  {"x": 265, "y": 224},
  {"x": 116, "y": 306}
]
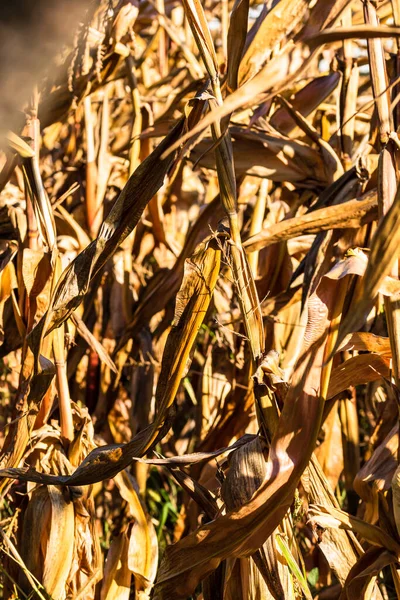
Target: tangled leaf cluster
[{"x": 200, "y": 300}]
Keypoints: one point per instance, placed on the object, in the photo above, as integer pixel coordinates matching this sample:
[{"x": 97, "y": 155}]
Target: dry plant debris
[{"x": 200, "y": 301}]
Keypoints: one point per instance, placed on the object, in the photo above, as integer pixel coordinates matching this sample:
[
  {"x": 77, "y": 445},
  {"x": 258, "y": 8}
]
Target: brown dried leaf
[{"x": 352, "y": 213}]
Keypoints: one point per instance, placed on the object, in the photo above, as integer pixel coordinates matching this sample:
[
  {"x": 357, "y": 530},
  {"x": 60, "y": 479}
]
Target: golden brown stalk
[
  {"x": 162, "y": 42},
  {"x": 387, "y": 170},
  {"x": 32, "y": 226},
  {"x": 39, "y": 202},
  {"x": 103, "y": 162},
  {"x": 257, "y": 222},
  {"x": 272, "y": 27},
  {"x": 348, "y": 96},
  {"x": 351, "y": 443},
  {"x": 64, "y": 400},
  {"x": 247, "y": 293},
  {"x": 224, "y": 26},
  {"x": 91, "y": 168},
  {"x": 379, "y": 77}
]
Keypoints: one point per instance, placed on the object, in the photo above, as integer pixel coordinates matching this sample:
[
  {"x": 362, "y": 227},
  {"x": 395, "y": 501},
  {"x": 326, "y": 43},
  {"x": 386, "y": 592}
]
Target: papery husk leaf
[
  {"x": 396, "y": 498},
  {"x": 305, "y": 101},
  {"x": 143, "y": 547},
  {"x": 33, "y": 387},
  {"x": 333, "y": 166},
  {"x": 199, "y": 26},
  {"x": 162, "y": 287},
  {"x": 111, "y": 454},
  {"x": 357, "y": 370},
  {"x": 192, "y": 302},
  {"x": 60, "y": 545},
  {"x": 200, "y": 494},
  {"x": 116, "y": 584},
  {"x": 19, "y": 145},
  {"x": 270, "y": 76},
  {"x": 80, "y": 234},
  {"x": 34, "y": 535},
  {"x": 8, "y": 282},
  {"x": 323, "y": 15},
  {"x": 333, "y": 517},
  {"x": 48, "y": 539}
]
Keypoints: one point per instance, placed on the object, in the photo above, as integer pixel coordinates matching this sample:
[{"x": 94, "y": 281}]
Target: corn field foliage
[{"x": 200, "y": 300}]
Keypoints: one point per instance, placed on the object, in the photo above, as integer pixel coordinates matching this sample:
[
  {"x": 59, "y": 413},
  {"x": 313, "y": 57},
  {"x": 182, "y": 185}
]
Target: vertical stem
[
  {"x": 348, "y": 96},
  {"x": 246, "y": 289},
  {"x": 396, "y": 89},
  {"x": 379, "y": 76},
  {"x": 257, "y": 222},
  {"x": 103, "y": 166},
  {"x": 162, "y": 42},
  {"x": 387, "y": 169},
  {"x": 351, "y": 445},
  {"x": 224, "y": 26},
  {"x": 247, "y": 293},
  {"x": 91, "y": 170},
  {"x": 332, "y": 336},
  {"x": 64, "y": 401}
]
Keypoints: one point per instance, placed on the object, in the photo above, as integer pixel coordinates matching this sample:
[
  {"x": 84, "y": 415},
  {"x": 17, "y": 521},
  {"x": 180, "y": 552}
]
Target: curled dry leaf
[
  {"x": 349, "y": 214},
  {"x": 333, "y": 517}
]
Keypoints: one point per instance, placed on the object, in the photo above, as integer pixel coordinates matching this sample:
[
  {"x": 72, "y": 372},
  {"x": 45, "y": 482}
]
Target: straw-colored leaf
[
  {"x": 333, "y": 517},
  {"x": 348, "y": 214}
]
